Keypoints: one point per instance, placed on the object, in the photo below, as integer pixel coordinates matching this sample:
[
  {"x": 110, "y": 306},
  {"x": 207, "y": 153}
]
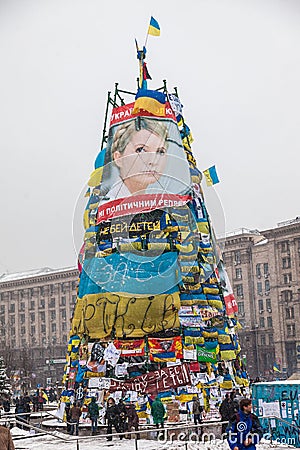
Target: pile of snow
[{"x": 86, "y": 443}]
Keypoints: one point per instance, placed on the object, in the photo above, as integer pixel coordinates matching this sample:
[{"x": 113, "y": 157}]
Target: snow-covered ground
[{"x": 49, "y": 442}]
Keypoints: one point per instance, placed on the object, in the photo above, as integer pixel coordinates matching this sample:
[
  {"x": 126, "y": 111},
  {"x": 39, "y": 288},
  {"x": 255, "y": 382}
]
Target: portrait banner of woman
[{"x": 144, "y": 155}]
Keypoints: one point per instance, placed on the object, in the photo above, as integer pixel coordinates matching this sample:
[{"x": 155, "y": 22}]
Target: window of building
[
  {"x": 12, "y": 308},
  {"x": 32, "y": 304},
  {"x": 271, "y": 339},
  {"x": 262, "y": 322},
  {"x": 286, "y": 262},
  {"x": 13, "y": 331},
  {"x": 260, "y": 304},
  {"x": 237, "y": 257},
  {"x": 287, "y": 295},
  {"x": 241, "y": 309},
  {"x": 285, "y": 246},
  {"x": 13, "y": 343},
  {"x": 268, "y": 305},
  {"x": 74, "y": 285},
  {"x": 42, "y": 303},
  {"x": 53, "y": 327},
  {"x": 266, "y": 269},
  {"x": 53, "y": 315},
  {"x": 12, "y": 320},
  {"x": 63, "y": 314},
  {"x": 267, "y": 285},
  {"x": 32, "y": 317},
  {"x": 291, "y": 330},
  {"x": 262, "y": 339},
  {"x": 257, "y": 270},
  {"x": 2, "y": 331},
  {"x": 43, "y": 317},
  {"x": 238, "y": 273},
  {"x": 52, "y": 302},
  {"x": 239, "y": 290},
  {"x": 63, "y": 301},
  {"x": 22, "y": 306},
  {"x": 44, "y": 339},
  {"x": 43, "y": 328},
  {"x": 269, "y": 322},
  {"x": 22, "y": 318},
  {"x": 42, "y": 291},
  {"x": 64, "y": 338},
  {"x": 73, "y": 299},
  {"x": 289, "y": 313},
  {"x": 2, "y": 309},
  {"x": 259, "y": 287},
  {"x": 22, "y": 330},
  {"x": 287, "y": 278},
  {"x": 32, "y": 329},
  {"x": 64, "y": 326}
]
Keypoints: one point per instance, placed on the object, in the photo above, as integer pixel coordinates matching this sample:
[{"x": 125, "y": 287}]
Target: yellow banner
[{"x": 98, "y": 315}]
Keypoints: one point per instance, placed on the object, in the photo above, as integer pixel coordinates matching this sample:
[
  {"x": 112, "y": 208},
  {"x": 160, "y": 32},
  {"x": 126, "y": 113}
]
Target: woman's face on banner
[{"x": 143, "y": 160}]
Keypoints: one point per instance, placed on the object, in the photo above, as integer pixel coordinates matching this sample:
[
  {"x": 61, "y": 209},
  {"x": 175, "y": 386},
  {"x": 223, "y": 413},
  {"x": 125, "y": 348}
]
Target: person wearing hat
[
  {"x": 6, "y": 442},
  {"x": 132, "y": 418},
  {"x": 197, "y": 411},
  {"x": 112, "y": 417},
  {"x": 158, "y": 413}
]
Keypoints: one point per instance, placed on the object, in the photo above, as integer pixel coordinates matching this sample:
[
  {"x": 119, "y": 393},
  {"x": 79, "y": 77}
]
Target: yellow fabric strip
[{"x": 98, "y": 315}]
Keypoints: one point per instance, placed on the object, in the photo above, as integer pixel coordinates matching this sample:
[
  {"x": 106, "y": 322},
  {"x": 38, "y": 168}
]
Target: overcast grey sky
[{"x": 237, "y": 67}]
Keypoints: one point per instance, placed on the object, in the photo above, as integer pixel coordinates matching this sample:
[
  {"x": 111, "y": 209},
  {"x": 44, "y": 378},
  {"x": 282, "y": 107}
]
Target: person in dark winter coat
[
  {"x": 234, "y": 405},
  {"x": 20, "y": 412},
  {"x": 122, "y": 415},
  {"x": 244, "y": 429},
  {"x": 132, "y": 419},
  {"x": 68, "y": 416},
  {"x": 112, "y": 418},
  {"x": 224, "y": 411},
  {"x": 93, "y": 410},
  {"x": 197, "y": 410},
  {"x": 75, "y": 413}
]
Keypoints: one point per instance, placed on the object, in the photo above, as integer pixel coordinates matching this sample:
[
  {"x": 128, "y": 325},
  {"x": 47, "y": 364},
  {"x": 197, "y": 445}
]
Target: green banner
[{"x": 204, "y": 355}]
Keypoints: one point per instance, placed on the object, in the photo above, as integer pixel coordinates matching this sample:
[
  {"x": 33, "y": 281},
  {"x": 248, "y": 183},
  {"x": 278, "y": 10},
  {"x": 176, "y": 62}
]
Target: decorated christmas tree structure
[
  {"x": 155, "y": 313},
  {"x": 5, "y": 386}
]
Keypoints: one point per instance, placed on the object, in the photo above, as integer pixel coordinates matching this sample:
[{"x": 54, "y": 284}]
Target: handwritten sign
[{"x": 159, "y": 381}]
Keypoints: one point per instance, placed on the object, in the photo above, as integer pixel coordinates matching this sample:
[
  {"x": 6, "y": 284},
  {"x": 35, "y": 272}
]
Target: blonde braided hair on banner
[{"x": 126, "y": 130}]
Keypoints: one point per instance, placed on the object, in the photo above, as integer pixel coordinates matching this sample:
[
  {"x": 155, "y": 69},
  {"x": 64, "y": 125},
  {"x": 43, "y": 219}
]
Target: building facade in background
[
  {"x": 35, "y": 311},
  {"x": 264, "y": 269}
]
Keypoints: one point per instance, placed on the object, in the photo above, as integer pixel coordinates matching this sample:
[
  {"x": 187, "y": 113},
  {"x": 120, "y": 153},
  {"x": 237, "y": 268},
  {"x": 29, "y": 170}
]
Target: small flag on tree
[
  {"x": 153, "y": 29},
  {"x": 211, "y": 176}
]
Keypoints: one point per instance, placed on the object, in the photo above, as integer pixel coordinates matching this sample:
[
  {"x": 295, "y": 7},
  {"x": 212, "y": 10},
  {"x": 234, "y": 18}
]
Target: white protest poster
[{"x": 271, "y": 409}]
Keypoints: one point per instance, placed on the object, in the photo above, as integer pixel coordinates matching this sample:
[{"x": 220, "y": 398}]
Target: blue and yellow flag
[
  {"x": 154, "y": 29},
  {"x": 276, "y": 368},
  {"x": 211, "y": 176},
  {"x": 152, "y": 101}
]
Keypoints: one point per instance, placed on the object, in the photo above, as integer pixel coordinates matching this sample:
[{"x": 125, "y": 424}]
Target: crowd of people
[{"x": 120, "y": 418}]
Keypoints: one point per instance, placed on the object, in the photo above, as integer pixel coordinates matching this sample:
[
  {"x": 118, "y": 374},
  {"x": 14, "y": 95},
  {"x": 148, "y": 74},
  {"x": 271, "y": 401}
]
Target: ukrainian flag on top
[
  {"x": 152, "y": 101},
  {"x": 154, "y": 29},
  {"x": 211, "y": 176}
]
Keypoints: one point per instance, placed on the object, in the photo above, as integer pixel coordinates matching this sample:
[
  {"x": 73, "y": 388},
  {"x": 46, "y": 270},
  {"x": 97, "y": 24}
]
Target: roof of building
[{"x": 5, "y": 277}]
